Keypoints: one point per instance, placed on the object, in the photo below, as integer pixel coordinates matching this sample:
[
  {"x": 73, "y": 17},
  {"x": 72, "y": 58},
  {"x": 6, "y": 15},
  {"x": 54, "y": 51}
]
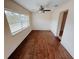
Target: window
[{"x": 17, "y": 22}]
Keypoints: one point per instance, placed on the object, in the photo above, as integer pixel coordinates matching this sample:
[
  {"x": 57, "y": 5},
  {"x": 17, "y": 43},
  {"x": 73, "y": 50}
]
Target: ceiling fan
[{"x": 43, "y": 9}]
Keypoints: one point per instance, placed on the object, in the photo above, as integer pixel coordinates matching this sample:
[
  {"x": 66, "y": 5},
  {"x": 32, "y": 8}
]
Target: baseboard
[
  {"x": 67, "y": 51},
  {"x": 57, "y": 38},
  {"x": 41, "y": 30}
]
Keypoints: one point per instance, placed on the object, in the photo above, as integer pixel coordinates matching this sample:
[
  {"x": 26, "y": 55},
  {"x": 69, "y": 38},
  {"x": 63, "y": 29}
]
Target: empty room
[{"x": 39, "y": 29}]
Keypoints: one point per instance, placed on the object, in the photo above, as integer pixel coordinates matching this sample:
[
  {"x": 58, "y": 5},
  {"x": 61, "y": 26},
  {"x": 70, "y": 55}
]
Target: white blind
[{"x": 17, "y": 22}]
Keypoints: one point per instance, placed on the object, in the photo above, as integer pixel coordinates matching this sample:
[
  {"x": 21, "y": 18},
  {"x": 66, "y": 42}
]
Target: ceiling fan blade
[
  {"x": 43, "y": 11},
  {"x": 47, "y": 10},
  {"x": 41, "y": 7}
]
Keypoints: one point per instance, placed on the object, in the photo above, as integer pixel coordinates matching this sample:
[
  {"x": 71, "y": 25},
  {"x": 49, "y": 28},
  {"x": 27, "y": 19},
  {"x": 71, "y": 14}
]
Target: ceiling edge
[{"x": 21, "y": 6}]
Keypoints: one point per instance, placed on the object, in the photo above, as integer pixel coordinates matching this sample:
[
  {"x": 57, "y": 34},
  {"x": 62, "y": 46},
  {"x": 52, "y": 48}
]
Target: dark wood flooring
[{"x": 40, "y": 45}]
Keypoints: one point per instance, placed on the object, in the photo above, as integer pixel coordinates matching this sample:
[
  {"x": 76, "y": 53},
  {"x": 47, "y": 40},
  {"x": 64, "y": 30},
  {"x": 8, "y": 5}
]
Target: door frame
[{"x": 61, "y": 23}]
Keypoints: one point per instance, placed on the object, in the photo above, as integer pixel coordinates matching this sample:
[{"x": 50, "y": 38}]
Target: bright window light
[{"x": 17, "y": 22}]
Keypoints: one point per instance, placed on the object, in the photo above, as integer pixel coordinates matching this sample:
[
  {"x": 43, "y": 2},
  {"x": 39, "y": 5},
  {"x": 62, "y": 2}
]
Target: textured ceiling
[{"x": 34, "y": 5}]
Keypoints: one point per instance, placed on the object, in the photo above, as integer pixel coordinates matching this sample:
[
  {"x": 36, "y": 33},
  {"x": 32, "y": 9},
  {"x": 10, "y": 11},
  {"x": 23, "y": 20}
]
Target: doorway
[{"x": 61, "y": 23}]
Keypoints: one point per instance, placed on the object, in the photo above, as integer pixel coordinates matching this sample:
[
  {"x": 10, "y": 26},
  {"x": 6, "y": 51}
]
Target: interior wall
[
  {"x": 12, "y": 42},
  {"x": 41, "y": 21},
  {"x": 68, "y": 36}
]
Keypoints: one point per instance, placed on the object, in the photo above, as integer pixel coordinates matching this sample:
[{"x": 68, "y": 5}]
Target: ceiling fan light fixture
[{"x": 43, "y": 10}]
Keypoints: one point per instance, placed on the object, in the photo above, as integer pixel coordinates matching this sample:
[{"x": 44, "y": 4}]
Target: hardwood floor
[{"x": 40, "y": 45}]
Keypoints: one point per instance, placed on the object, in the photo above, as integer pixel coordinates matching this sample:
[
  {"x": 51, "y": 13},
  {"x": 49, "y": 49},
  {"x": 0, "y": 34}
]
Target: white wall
[
  {"x": 12, "y": 42},
  {"x": 54, "y": 22},
  {"x": 68, "y": 36},
  {"x": 41, "y": 21}
]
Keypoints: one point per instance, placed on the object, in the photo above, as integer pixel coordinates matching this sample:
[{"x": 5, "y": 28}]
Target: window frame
[{"x": 19, "y": 30}]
